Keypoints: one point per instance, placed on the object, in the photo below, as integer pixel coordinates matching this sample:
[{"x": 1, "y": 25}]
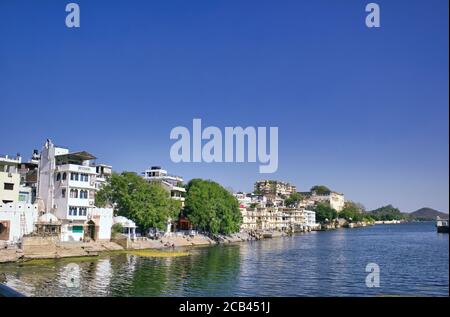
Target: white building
[
  {"x": 171, "y": 183},
  {"x": 336, "y": 200},
  {"x": 16, "y": 220},
  {"x": 102, "y": 219},
  {"x": 245, "y": 200},
  {"x": 103, "y": 173},
  {"x": 128, "y": 226},
  {"x": 277, "y": 218},
  {"x": 310, "y": 218},
  {"x": 66, "y": 186}
]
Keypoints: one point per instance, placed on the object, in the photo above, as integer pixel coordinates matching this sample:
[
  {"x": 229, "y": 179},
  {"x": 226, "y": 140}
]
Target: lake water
[{"x": 413, "y": 260}]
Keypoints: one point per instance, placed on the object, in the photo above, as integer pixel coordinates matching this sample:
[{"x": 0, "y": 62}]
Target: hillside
[
  {"x": 427, "y": 214},
  {"x": 384, "y": 213}
]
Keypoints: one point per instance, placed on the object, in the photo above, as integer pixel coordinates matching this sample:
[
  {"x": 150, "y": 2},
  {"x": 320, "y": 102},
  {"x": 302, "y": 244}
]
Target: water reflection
[{"x": 413, "y": 261}]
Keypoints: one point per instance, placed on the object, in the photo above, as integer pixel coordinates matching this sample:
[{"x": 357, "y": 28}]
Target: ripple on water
[{"x": 413, "y": 260}]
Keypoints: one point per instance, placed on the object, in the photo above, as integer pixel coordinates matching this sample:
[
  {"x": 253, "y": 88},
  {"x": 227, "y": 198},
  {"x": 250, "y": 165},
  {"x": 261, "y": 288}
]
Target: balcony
[{"x": 76, "y": 169}]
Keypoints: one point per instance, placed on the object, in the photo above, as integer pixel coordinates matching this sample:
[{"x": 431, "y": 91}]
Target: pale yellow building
[
  {"x": 9, "y": 179},
  {"x": 275, "y": 218},
  {"x": 336, "y": 200}
]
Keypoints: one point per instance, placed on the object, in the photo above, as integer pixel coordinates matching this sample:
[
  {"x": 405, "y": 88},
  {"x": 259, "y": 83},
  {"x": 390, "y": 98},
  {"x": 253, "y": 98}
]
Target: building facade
[
  {"x": 66, "y": 187},
  {"x": 277, "y": 218},
  {"x": 171, "y": 183},
  {"x": 9, "y": 179},
  {"x": 16, "y": 220},
  {"x": 336, "y": 200}
]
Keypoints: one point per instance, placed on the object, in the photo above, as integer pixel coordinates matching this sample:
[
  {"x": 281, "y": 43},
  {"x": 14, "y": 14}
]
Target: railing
[{"x": 6, "y": 291}]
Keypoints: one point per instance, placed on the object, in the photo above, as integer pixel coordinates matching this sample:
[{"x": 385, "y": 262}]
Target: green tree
[
  {"x": 147, "y": 204},
  {"x": 324, "y": 212},
  {"x": 211, "y": 208},
  {"x": 320, "y": 189},
  {"x": 116, "y": 229},
  {"x": 352, "y": 211},
  {"x": 293, "y": 199}
]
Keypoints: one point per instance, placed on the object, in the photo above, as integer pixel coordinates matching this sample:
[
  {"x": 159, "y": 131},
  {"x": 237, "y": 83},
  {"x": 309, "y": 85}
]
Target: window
[
  {"x": 63, "y": 193},
  {"x": 72, "y": 211},
  {"x": 8, "y": 186},
  {"x": 73, "y": 193},
  {"x": 58, "y": 177},
  {"x": 84, "y": 177},
  {"x": 64, "y": 176},
  {"x": 74, "y": 176}
]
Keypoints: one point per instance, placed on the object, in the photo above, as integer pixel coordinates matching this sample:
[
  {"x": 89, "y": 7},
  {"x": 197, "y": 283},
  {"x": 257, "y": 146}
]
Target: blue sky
[{"x": 364, "y": 111}]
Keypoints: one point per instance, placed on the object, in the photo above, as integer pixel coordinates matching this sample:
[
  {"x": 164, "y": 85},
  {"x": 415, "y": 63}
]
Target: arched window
[
  {"x": 64, "y": 176},
  {"x": 73, "y": 193},
  {"x": 58, "y": 177}
]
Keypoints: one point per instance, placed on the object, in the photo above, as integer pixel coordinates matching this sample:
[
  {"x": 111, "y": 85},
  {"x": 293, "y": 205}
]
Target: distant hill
[
  {"x": 384, "y": 213},
  {"x": 427, "y": 214}
]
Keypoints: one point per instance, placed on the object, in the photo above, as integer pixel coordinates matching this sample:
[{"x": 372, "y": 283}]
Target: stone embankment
[{"x": 52, "y": 248}]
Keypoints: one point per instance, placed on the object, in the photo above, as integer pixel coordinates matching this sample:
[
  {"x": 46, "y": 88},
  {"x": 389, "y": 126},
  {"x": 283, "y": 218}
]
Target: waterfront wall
[{"x": 16, "y": 219}]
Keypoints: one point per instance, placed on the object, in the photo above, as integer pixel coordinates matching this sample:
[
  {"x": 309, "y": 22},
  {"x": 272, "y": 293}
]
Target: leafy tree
[
  {"x": 325, "y": 212},
  {"x": 211, "y": 208},
  {"x": 320, "y": 189},
  {"x": 147, "y": 204},
  {"x": 351, "y": 211},
  {"x": 293, "y": 199},
  {"x": 116, "y": 229},
  {"x": 386, "y": 213}
]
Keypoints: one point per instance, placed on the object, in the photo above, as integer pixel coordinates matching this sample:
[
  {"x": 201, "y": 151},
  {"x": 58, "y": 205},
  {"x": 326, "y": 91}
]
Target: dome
[
  {"x": 125, "y": 222},
  {"x": 48, "y": 218}
]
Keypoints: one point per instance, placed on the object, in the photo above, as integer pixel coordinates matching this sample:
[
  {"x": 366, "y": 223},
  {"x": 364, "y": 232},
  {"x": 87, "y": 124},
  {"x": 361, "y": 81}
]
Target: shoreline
[{"x": 47, "y": 248}]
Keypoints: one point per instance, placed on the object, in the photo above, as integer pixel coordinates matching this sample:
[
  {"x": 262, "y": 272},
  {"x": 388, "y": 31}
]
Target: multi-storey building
[
  {"x": 275, "y": 218},
  {"x": 17, "y": 214},
  {"x": 336, "y": 200},
  {"x": 9, "y": 179},
  {"x": 103, "y": 173},
  {"x": 67, "y": 185},
  {"x": 171, "y": 183},
  {"x": 245, "y": 200},
  {"x": 28, "y": 179}
]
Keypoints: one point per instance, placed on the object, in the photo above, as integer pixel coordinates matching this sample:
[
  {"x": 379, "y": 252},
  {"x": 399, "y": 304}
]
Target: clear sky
[{"x": 364, "y": 111}]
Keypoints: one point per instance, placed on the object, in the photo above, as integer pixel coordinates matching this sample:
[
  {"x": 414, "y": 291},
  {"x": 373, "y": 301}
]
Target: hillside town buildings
[
  {"x": 54, "y": 192},
  {"x": 271, "y": 188}
]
